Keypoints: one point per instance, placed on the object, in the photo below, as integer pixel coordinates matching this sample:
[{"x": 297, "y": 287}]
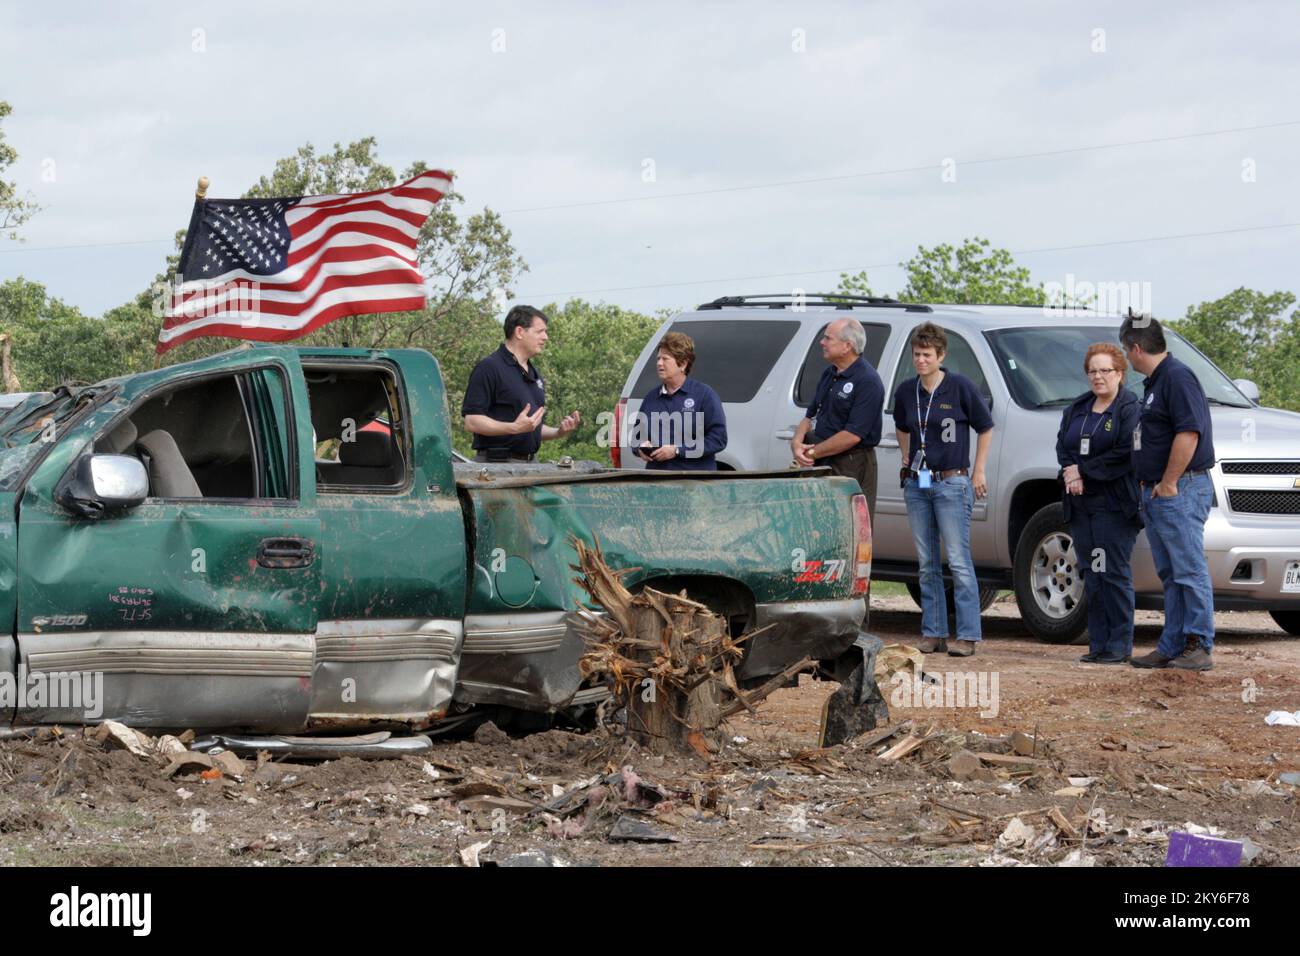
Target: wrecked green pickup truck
[{"x": 173, "y": 536}]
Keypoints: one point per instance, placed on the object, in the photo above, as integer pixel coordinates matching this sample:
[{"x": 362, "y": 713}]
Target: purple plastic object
[{"x": 1189, "y": 849}]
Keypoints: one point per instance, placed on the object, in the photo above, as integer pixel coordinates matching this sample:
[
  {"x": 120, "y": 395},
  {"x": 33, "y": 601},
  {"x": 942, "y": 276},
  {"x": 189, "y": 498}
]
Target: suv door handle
[
  {"x": 785, "y": 434},
  {"x": 285, "y": 553}
]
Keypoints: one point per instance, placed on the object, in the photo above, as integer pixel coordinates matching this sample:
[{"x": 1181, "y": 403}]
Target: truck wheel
[
  {"x": 1048, "y": 580},
  {"x": 987, "y": 597},
  {"x": 1289, "y": 621}
]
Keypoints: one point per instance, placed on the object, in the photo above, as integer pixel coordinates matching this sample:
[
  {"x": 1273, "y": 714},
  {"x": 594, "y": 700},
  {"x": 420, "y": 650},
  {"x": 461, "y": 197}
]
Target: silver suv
[{"x": 761, "y": 354}]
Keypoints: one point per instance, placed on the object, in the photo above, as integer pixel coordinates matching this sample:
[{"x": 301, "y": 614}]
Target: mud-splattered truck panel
[{"x": 276, "y": 539}]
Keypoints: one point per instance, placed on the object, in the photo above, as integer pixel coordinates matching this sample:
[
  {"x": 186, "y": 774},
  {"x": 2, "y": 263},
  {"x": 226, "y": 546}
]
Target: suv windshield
[{"x": 1043, "y": 366}]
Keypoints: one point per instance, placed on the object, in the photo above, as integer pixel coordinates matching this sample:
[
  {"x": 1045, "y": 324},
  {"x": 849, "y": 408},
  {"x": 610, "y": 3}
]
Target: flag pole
[{"x": 200, "y": 193}]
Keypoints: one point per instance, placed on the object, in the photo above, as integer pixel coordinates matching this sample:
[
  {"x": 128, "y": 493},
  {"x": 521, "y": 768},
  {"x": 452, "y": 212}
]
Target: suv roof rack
[{"x": 781, "y": 300}]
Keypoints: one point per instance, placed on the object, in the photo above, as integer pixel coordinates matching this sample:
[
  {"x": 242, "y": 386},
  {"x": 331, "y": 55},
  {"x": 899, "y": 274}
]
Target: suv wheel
[
  {"x": 1289, "y": 621},
  {"x": 987, "y": 597},
  {"x": 1048, "y": 579}
]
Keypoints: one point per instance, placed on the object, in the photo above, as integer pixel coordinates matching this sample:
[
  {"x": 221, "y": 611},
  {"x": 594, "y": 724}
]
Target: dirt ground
[{"x": 1113, "y": 759}]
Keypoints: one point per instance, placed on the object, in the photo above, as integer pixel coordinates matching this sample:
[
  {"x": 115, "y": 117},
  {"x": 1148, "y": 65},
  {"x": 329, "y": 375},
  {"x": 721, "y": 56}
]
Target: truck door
[
  {"x": 197, "y": 607},
  {"x": 392, "y": 600}
]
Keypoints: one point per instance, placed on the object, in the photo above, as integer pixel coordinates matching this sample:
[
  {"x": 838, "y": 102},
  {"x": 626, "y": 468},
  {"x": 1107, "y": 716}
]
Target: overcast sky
[{"x": 124, "y": 111}]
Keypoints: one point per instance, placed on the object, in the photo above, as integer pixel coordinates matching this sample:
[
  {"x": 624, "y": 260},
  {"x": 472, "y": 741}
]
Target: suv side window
[
  {"x": 959, "y": 359},
  {"x": 805, "y": 386},
  {"x": 732, "y": 356}
]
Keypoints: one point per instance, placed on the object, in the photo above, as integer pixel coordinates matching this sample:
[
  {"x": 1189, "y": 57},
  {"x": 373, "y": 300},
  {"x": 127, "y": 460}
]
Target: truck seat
[
  {"x": 169, "y": 475},
  {"x": 370, "y": 459}
]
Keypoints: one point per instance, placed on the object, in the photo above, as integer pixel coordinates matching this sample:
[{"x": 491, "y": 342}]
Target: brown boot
[
  {"x": 1193, "y": 658},
  {"x": 962, "y": 649},
  {"x": 932, "y": 645}
]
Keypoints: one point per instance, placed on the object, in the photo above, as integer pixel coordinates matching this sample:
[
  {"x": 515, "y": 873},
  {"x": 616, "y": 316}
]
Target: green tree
[
  {"x": 54, "y": 343},
  {"x": 14, "y": 209},
  {"x": 969, "y": 274},
  {"x": 1249, "y": 335},
  {"x": 855, "y": 284}
]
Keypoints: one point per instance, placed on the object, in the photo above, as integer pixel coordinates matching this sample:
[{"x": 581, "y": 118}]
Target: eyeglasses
[{"x": 1099, "y": 371}]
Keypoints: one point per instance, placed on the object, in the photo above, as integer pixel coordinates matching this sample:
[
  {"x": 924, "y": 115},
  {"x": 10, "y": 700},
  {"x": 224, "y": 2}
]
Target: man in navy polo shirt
[
  {"x": 844, "y": 417},
  {"x": 1173, "y": 451},
  {"x": 682, "y": 419},
  {"x": 505, "y": 398}
]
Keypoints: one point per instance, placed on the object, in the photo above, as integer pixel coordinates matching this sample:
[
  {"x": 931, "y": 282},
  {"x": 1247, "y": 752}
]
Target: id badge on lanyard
[{"x": 923, "y": 475}]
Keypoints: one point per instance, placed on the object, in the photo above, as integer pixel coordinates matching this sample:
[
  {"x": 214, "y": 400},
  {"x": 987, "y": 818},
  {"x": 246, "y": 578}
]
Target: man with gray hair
[{"x": 843, "y": 420}]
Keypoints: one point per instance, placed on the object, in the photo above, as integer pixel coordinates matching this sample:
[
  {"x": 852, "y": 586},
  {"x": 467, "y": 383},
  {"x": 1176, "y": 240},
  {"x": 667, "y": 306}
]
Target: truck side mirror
[{"x": 101, "y": 484}]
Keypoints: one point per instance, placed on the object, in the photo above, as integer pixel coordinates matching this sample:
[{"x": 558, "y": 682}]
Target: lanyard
[
  {"x": 928, "y": 405},
  {"x": 1101, "y": 417}
]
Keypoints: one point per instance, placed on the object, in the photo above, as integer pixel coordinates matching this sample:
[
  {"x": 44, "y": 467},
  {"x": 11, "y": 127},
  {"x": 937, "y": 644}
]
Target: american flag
[{"x": 276, "y": 269}]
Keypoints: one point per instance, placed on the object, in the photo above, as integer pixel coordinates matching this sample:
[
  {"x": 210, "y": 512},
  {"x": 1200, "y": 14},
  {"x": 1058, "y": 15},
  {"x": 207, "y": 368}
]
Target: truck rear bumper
[{"x": 822, "y": 630}]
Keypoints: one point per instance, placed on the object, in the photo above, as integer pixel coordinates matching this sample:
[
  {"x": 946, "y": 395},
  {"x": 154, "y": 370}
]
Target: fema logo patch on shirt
[
  {"x": 540, "y": 383},
  {"x": 847, "y": 389},
  {"x": 1151, "y": 398},
  {"x": 689, "y": 403}
]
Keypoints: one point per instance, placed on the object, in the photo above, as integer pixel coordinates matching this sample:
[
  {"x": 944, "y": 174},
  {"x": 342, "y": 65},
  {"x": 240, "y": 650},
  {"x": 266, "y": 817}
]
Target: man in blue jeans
[{"x": 1173, "y": 451}]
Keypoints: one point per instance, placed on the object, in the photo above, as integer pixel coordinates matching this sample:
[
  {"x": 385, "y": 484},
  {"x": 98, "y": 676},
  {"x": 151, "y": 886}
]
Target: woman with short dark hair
[
  {"x": 933, "y": 416},
  {"x": 681, "y": 420}
]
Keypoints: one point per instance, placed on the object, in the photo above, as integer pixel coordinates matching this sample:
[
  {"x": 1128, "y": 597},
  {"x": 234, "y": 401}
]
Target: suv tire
[
  {"x": 1289, "y": 621},
  {"x": 1048, "y": 582},
  {"x": 987, "y": 597}
]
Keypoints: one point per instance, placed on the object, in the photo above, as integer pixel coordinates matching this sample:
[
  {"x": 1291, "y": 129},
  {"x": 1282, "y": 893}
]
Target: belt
[
  {"x": 482, "y": 458},
  {"x": 1186, "y": 474},
  {"x": 941, "y": 475}
]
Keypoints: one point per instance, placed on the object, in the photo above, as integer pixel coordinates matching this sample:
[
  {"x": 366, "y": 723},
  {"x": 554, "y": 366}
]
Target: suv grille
[
  {"x": 1264, "y": 502},
  {"x": 1260, "y": 467}
]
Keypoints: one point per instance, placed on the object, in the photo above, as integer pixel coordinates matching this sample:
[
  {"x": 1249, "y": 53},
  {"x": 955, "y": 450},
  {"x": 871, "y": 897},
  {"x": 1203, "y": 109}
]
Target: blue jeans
[
  {"x": 1176, "y": 532},
  {"x": 943, "y": 512},
  {"x": 1095, "y": 528}
]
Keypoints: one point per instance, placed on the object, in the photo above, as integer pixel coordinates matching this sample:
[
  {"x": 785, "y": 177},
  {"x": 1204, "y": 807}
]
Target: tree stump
[
  {"x": 679, "y": 696},
  {"x": 668, "y": 660}
]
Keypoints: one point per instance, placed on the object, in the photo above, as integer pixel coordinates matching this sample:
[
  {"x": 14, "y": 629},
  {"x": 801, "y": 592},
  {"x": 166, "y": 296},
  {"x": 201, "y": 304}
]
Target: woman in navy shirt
[
  {"x": 933, "y": 417},
  {"x": 1094, "y": 447},
  {"x": 681, "y": 417}
]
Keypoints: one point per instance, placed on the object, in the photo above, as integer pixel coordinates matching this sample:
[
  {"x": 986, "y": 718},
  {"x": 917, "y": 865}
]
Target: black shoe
[
  {"x": 1111, "y": 659},
  {"x": 1154, "y": 659},
  {"x": 1090, "y": 657}
]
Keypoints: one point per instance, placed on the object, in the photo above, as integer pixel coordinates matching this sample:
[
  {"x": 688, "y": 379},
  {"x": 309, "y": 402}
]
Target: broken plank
[
  {"x": 1062, "y": 824},
  {"x": 902, "y": 748},
  {"x": 881, "y": 736},
  {"x": 1012, "y": 760}
]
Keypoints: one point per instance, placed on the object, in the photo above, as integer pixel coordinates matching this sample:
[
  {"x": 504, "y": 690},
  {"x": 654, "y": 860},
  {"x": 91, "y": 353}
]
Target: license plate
[{"x": 1291, "y": 576}]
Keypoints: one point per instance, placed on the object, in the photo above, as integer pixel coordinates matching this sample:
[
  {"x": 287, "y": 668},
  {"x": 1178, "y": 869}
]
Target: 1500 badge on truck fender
[{"x": 60, "y": 620}]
